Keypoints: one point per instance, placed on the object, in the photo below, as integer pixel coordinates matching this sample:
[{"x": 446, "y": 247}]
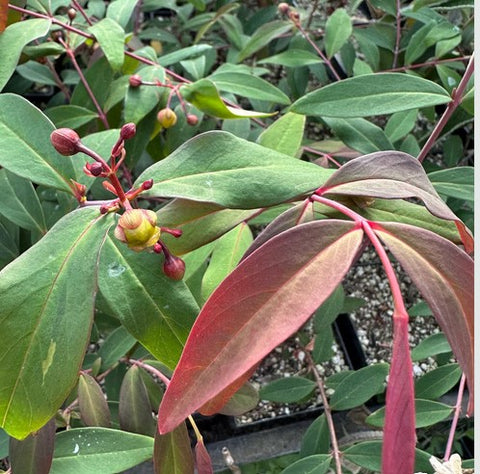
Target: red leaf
[
  {"x": 3, "y": 15},
  {"x": 393, "y": 175},
  {"x": 202, "y": 459},
  {"x": 262, "y": 302},
  {"x": 398, "y": 455},
  {"x": 443, "y": 273}
]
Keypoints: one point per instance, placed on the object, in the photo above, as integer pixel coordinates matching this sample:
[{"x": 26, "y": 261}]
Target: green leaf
[
  {"x": 431, "y": 346},
  {"x": 218, "y": 15},
  {"x": 315, "y": 464},
  {"x": 285, "y": 134},
  {"x": 162, "y": 322},
  {"x": 226, "y": 254},
  {"x": 337, "y": 31},
  {"x": 36, "y": 72},
  {"x": 245, "y": 399},
  {"x": 111, "y": 37},
  {"x": 27, "y": 151},
  {"x": 19, "y": 202},
  {"x": 456, "y": 182},
  {"x": 13, "y": 40},
  {"x": 401, "y": 124},
  {"x": 184, "y": 53},
  {"x": 70, "y": 116},
  {"x": 329, "y": 310},
  {"x": 360, "y": 134},
  {"x": 205, "y": 97},
  {"x": 359, "y": 386},
  {"x": 199, "y": 222},
  {"x": 134, "y": 410},
  {"x": 47, "y": 302},
  {"x": 287, "y": 390},
  {"x": 292, "y": 58},
  {"x": 427, "y": 413},
  {"x": 263, "y": 36},
  {"x": 139, "y": 101},
  {"x": 371, "y": 94},
  {"x": 420, "y": 309},
  {"x": 121, "y": 11},
  {"x": 437, "y": 382},
  {"x": 4, "y": 442},
  {"x": 316, "y": 439},
  {"x": 172, "y": 452},
  {"x": 115, "y": 346},
  {"x": 368, "y": 455},
  {"x": 91, "y": 400},
  {"x": 88, "y": 450},
  {"x": 248, "y": 85},
  {"x": 203, "y": 169}
]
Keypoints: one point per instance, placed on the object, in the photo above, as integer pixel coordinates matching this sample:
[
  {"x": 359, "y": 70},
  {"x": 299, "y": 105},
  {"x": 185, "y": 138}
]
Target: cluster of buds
[
  {"x": 136, "y": 227},
  {"x": 285, "y": 9}
]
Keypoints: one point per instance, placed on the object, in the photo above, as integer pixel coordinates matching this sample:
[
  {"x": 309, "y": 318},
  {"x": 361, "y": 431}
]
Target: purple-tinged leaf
[
  {"x": 443, "y": 273},
  {"x": 398, "y": 453},
  {"x": 392, "y": 175},
  {"x": 262, "y": 302},
  {"x": 203, "y": 461},
  {"x": 34, "y": 454},
  {"x": 92, "y": 402},
  {"x": 172, "y": 452}
]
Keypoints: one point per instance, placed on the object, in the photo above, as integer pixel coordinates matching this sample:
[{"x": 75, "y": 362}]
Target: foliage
[{"x": 184, "y": 184}]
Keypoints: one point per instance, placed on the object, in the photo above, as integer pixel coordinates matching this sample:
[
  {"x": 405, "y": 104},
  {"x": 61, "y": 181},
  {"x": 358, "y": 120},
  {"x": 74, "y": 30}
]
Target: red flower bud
[
  {"x": 173, "y": 267},
  {"x": 147, "y": 184},
  {"x": 65, "y": 141},
  {"x": 167, "y": 118},
  {"x": 72, "y": 13},
  {"x": 93, "y": 169},
  {"x": 283, "y": 8},
  {"x": 128, "y": 131},
  {"x": 135, "y": 80},
  {"x": 192, "y": 119}
]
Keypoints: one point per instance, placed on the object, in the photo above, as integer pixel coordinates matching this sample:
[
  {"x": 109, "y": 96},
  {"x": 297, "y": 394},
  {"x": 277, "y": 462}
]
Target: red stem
[
  {"x": 456, "y": 416},
  {"x": 150, "y": 369},
  {"x": 457, "y": 95}
]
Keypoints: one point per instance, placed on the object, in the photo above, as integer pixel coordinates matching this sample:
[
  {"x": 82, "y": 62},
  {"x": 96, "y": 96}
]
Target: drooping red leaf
[
  {"x": 392, "y": 175},
  {"x": 443, "y": 273},
  {"x": 202, "y": 459},
  {"x": 262, "y": 302},
  {"x": 398, "y": 455}
]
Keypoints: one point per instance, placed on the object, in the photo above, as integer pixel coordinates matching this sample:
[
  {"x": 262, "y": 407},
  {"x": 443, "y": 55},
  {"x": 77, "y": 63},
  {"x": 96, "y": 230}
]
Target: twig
[
  {"x": 398, "y": 28},
  {"x": 328, "y": 412},
  {"x": 457, "y": 95},
  {"x": 310, "y": 16}
]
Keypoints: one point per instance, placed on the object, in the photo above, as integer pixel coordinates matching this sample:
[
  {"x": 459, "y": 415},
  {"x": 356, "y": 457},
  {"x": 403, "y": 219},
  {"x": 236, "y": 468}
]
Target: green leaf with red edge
[
  {"x": 91, "y": 400},
  {"x": 34, "y": 454},
  {"x": 200, "y": 223},
  {"x": 27, "y": 151},
  {"x": 392, "y": 175},
  {"x": 172, "y": 452},
  {"x": 443, "y": 273},
  {"x": 276, "y": 288},
  {"x": 47, "y": 298},
  {"x": 204, "y": 95},
  {"x": 156, "y": 310},
  {"x": 218, "y": 167},
  {"x": 398, "y": 452}
]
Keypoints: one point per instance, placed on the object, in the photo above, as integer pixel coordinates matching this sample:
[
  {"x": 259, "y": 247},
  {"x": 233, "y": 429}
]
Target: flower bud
[
  {"x": 147, "y": 184},
  {"x": 192, "y": 119},
  {"x": 173, "y": 267},
  {"x": 167, "y": 118},
  {"x": 93, "y": 169},
  {"x": 72, "y": 13},
  {"x": 283, "y": 8},
  {"x": 138, "y": 229},
  {"x": 294, "y": 16},
  {"x": 65, "y": 141},
  {"x": 135, "y": 80},
  {"x": 128, "y": 131}
]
